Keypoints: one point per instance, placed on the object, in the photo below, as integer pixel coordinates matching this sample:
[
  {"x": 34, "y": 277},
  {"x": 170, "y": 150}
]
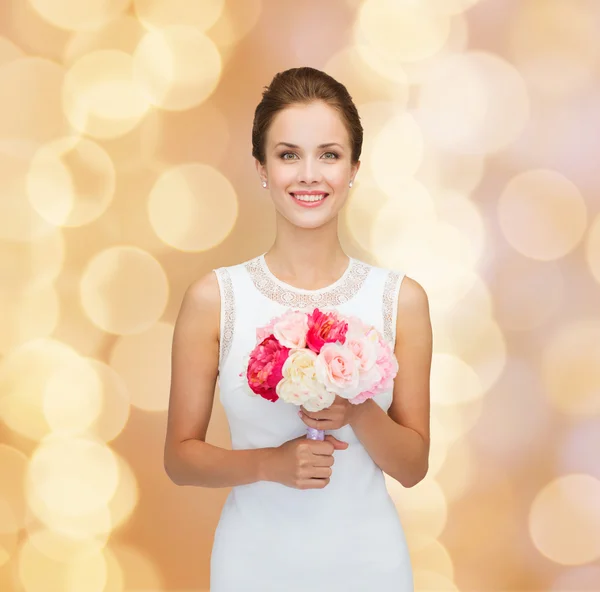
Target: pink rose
[
  {"x": 324, "y": 327},
  {"x": 291, "y": 329},
  {"x": 337, "y": 368},
  {"x": 263, "y": 332},
  {"x": 265, "y": 368},
  {"x": 387, "y": 366}
]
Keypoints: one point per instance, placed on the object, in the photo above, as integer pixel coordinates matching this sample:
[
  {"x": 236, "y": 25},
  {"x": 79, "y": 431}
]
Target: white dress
[{"x": 346, "y": 537}]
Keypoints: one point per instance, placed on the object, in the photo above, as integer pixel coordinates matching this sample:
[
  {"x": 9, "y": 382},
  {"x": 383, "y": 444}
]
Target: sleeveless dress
[{"x": 346, "y": 537}]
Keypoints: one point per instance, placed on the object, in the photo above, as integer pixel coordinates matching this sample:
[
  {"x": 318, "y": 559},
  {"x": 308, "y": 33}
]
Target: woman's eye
[
  {"x": 286, "y": 154},
  {"x": 333, "y": 154}
]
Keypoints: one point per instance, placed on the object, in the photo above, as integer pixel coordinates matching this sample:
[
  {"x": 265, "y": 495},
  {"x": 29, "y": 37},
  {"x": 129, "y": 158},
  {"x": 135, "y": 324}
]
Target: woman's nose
[{"x": 309, "y": 171}]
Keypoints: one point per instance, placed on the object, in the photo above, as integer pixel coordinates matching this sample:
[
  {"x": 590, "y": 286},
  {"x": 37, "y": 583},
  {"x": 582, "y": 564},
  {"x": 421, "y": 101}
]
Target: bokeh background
[{"x": 126, "y": 173}]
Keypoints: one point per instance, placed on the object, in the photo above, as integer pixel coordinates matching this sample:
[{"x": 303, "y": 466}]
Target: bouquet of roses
[{"x": 309, "y": 358}]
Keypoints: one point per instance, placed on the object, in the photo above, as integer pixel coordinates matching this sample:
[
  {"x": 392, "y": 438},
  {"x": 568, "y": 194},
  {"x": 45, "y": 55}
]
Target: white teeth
[{"x": 309, "y": 197}]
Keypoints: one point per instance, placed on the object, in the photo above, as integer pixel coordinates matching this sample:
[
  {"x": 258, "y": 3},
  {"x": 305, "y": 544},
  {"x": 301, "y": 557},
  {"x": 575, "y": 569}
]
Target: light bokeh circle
[
  {"x": 570, "y": 367},
  {"x": 542, "y": 214},
  {"x": 178, "y": 67},
  {"x": 101, "y": 97},
  {"x": 564, "y": 520},
  {"x": 74, "y": 15},
  {"x": 157, "y": 14},
  {"x": 71, "y": 181},
  {"x": 193, "y": 207},
  {"x": 124, "y": 290}
]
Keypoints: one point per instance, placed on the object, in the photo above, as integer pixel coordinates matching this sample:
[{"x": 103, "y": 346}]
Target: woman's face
[{"x": 308, "y": 150}]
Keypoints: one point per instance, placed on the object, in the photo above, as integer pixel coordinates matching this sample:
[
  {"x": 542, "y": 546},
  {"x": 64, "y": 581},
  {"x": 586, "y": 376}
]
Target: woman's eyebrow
[{"x": 319, "y": 146}]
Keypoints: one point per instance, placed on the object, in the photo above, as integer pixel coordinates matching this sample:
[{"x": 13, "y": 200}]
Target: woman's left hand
[{"x": 339, "y": 414}]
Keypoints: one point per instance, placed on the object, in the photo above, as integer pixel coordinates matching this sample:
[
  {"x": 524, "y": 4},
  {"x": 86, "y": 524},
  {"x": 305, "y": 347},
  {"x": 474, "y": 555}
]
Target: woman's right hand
[{"x": 302, "y": 463}]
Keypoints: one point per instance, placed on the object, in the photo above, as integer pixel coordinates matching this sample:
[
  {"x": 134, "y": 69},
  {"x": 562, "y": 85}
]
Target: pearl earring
[
  {"x": 351, "y": 183},
  {"x": 264, "y": 183}
]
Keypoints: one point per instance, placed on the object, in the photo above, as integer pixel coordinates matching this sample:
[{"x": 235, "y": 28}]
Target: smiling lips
[{"x": 309, "y": 198}]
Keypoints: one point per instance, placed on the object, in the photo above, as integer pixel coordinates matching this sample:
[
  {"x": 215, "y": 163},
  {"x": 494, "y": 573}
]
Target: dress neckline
[{"x": 289, "y": 287}]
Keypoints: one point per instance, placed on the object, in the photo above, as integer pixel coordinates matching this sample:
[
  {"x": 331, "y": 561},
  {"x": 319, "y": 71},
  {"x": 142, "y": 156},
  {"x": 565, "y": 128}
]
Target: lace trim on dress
[
  {"x": 390, "y": 300},
  {"x": 338, "y": 294},
  {"x": 228, "y": 312}
]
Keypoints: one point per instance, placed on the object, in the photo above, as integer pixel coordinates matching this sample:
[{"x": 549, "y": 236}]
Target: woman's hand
[{"x": 339, "y": 414}]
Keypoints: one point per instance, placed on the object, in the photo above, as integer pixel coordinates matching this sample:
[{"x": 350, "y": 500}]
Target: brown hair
[{"x": 302, "y": 86}]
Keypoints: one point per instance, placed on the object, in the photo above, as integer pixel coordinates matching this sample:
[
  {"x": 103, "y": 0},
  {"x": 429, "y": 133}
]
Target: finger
[{"x": 314, "y": 423}]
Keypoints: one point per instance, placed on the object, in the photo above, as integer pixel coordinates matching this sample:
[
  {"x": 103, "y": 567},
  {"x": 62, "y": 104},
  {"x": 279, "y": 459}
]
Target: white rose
[{"x": 300, "y": 384}]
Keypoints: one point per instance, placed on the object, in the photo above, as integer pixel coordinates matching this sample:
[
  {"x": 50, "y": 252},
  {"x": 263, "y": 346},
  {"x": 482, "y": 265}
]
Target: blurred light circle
[
  {"x": 76, "y": 15},
  {"x": 400, "y": 31},
  {"x": 460, "y": 212},
  {"x": 592, "y": 248},
  {"x": 571, "y": 367},
  {"x": 25, "y": 373},
  {"x": 360, "y": 211},
  {"x": 405, "y": 216},
  {"x": 397, "y": 152},
  {"x": 83, "y": 571},
  {"x": 93, "y": 527},
  {"x": 123, "y": 503},
  {"x": 28, "y": 313},
  {"x": 348, "y": 65},
  {"x": 18, "y": 220},
  {"x": 457, "y": 420},
  {"x": 114, "y": 413},
  {"x": 157, "y": 14},
  {"x": 138, "y": 569},
  {"x": 449, "y": 6},
  {"x": 72, "y": 398},
  {"x": 122, "y": 33},
  {"x": 73, "y": 475},
  {"x": 555, "y": 45},
  {"x": 193, "y": 207},
  {"x": 124, "y": 290},
  {"x": 60, "y": 547},
  {"x": 542, "y": 214},
  {"x": 453, "y": 381},
  {"x": 574, "y": 452},
  {"x": 178, "y": 67},
  {"x": 418, "y": 247},
  {"x": 32, "y": 110},
  {"x": 71, "y": 181},
  {"x": 457, "y": 42},
  {"x": 100, "y": 96},
  {"x": 143, "y": 363},
  {"x": 12, "y": 495},
  {"x": 564, "y": 520},
  {"x": 472, "y": 103},
  {"x": 236, "y": 21}
]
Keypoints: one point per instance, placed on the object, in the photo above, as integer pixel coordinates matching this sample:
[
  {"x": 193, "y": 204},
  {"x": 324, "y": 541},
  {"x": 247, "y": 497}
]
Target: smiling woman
[{"x": 293, "y": 521}]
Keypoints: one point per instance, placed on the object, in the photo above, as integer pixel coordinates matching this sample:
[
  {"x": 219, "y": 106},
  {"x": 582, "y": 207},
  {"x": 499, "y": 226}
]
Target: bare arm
[
  {"x": 188, "y": 458},
  {"x": 398, "y": 441}
]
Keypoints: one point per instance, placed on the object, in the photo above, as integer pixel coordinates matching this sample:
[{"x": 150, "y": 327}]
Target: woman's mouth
[{"x": 309, "y": 199}]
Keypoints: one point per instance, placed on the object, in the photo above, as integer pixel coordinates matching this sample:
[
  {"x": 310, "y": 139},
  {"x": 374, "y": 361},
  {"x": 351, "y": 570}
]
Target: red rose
[
  {"x": 265, "y": 367},
  {"x": 324, "y": 327}
]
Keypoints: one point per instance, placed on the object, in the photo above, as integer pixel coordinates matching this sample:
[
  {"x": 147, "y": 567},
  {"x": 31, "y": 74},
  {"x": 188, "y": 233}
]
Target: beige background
[{"x": 126, "y": 173}]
